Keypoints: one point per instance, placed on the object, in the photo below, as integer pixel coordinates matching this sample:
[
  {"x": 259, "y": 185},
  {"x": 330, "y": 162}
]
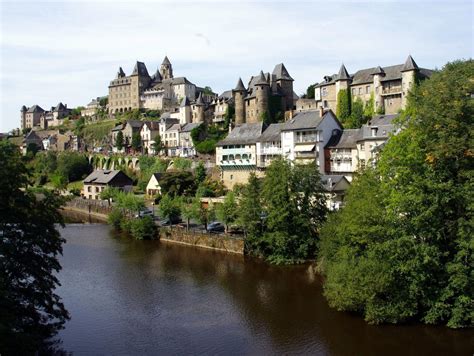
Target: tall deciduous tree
[
  {"x": 402, "y": 248},
  {"x": 30, "y": 243},
  {"x": 227, "y": 211},
  {"x": 119, "y": 141},
  {"x": 136, "y": 141}
]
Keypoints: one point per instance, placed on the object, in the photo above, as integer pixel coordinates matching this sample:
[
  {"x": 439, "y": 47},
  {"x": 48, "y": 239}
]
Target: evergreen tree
[
  {"x": 157, "y": 145},
  {"x": 250, "y": 208},
  {"x": 200, "y": 173},
  {"x": 136, "y": 141},
  {"x": 119, "y": 140},
  {"x": 30, "y": 311}
]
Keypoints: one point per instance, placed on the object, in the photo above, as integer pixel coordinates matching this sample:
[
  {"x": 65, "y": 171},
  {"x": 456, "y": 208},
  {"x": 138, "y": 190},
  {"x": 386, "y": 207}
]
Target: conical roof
[
  {"x": 140, "y": 69},
  {"x": 261, "y": 79},
  {"x": 378, "y": 70},
  {"x": 184, "y": 102},
  {"x": 410, "y": 64},
  {"x": 166, "y": 61},
  {"x": 343, "y": 74},
  {"x": 199, "y": 100},
  {"x": 157, "y": 76},
  {"x": 120, "y": 73},
  {"x": 240, "y": 86},
  {"x": 23, "y": 108},
  {"x": 281, "y": 73}
]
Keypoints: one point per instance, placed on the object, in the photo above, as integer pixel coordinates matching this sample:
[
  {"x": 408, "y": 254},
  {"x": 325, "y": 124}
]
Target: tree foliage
[
  {"x": 402, "y": 247},
  {"x": 343, "y": 104},
  {"x": 30, "y": 311},
  {"x": 119, "y": 140},
  {"x": 310, "y": 91},
  {"x": 227, "y": 211},
  {"x": 136, "y": 141}
]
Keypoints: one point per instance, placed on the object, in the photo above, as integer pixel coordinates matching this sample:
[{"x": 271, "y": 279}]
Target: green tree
[
  {"x": 401, "y": 249},
  {"x": 200, "y": 173},
  {"x": 136, "y": 141},
  {"x": 103, "y": 101},
  {"x": 119, "y": 141},
  {"x": 30, "y": 311},
  {"x": 227, "y": 211},
  {"x": 143, "y": 228},
  {"x": 169, "y": 207},
  {"x": 250, "y": 211},
  {"x": 310, "y": 91},
  {"x": 157, "y": 145},
  {"x": 178, "y": 183},
  {"x": 356, "y": 119},
  {"x": 189, "y": 209},
  {"x": 343, "y": 104},
  {"x": 208, "y": 90},
  {"x": 73, "y": 166},
  {"x": 229, "y": 116},
  {"x": 369, "y": 107}
]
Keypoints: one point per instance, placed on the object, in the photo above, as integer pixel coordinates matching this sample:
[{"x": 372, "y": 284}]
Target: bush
[
  {"x": 143, "y": 229},
  {"x": 115, "y": 218}
]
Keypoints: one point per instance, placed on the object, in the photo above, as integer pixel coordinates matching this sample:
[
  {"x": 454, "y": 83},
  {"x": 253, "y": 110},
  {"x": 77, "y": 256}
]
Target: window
[
  {"x": 362, "y": 147},
  {"x": 353, "y": 91},
  {"x": 360, "y": 91},
  {"x": 89, "y": 189},
  {"x": 231, "y": 176},
  {"x": 367, "y": 89},
  {"x": 324, "y": 91}
]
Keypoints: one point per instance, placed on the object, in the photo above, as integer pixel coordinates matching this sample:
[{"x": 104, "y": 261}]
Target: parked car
[
  {"x": 172, "y": 221},
  {"x": 215, "y": 226},
  {"x": 144, "y": 213}
]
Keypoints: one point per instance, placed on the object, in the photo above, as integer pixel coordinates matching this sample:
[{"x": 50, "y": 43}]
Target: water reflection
[{"x": 143, "y": 297}]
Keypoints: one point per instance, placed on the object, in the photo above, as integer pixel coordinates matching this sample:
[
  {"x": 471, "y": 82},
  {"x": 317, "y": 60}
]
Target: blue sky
[{"x": 69, "y": 51}]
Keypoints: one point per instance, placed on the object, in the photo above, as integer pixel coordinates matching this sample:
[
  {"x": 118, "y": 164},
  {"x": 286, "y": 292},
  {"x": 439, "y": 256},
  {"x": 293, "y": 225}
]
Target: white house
[
  {"x": 153, "y": 187},
  {"x": 148, "y": 133},
  {"x": 304, "y": 136}
]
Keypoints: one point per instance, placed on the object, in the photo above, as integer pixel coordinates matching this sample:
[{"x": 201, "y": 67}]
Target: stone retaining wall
[
  {"x": 219, "y": 242},
  {"x": 90, "y": 206}
]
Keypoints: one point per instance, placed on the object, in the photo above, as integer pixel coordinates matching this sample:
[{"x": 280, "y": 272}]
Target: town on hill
[{"x": 340, "y": 124}]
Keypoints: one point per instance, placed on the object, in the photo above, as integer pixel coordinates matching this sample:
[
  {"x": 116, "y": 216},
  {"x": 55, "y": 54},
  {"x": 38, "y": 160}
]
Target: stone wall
[
  {"x": 219, "y": 242},
  {"x": 99, "y": 208}
]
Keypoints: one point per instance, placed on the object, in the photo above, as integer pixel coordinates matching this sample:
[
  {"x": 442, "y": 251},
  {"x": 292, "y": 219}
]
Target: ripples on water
[{"x": 131, "y": 297}]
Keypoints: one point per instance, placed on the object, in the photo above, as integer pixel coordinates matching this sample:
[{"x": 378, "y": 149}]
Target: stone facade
[{"x": 388, "y": 86}]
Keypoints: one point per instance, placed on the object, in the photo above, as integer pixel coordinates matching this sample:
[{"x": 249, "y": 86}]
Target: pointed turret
[
  {"x": 200, "y": 101},
  {"x": 240, "y": 86},
  {"x": 23, "y": 108},
  {"x": 185, "y": 102},
  {"x": 166, "y": 61},
  {"x": 378, "y": 71},
  {"x": 261, "y": 79},
  {"x": 157, "y": 76},
  {"x": 343, "y": 74},
  {"x": 140, "y": 69},
  {"x": 281, "y": 73},
  {"x": 120, "y": 73},
  {"x": 410, "y": 64}
]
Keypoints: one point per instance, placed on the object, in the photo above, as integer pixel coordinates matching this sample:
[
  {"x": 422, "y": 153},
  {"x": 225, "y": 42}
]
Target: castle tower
[
  {"x": 120, "y": 73},
  {"x": 285, "y": 82},
  {"x": 198, "y": 114},
  {"x": 378, "y": 74},
  {"x": 23, "y": 117},
  {"x": 185, "y": 111},
  {"x": 262, "y": 93},
  {"x": 239, "y": 93},
  {"x": 166, "y": 69},
  {"x": 342, "y": 81},
  {"x": 409, "y": 71}
]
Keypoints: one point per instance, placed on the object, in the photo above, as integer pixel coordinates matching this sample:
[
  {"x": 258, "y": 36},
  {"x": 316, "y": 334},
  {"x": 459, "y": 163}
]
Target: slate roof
[
  {"x": 152, "y": 125},
  {"x": 281, "y": 73},
  {"x": 174, "y": 127},
  {"x": 226, "y": 95},
  {"x": 166, "y": 61},
  {"x": 261, "y": 79},
  {"x": 35, "y": 108},
  {"x": 243, "y": 134},
  {"x": 382, "y": 120},
  {"x": 343, "y": 74},
  {"x": 240, "y": 85},
  {"x": 304, "y": 120},
  {"x": 190, "y": 126},
  {"x": 185, "y": 102},
  {"x": 330, "y": 181},
  {"x": 23, "y": 108},
  {"x": 60, "y": 107},
  {"x": 410, "y": 64},
  {"x": 272, "y": 133},
  {"x": 199, "y": 100},
  {"x": 120, "y": 73},
  {"x": 348, "y": 139},
  {"x": 140, "y": 69},
  {"x": 135, "y": 123},
  {"x": 103, "y": 176},
  {"x": 119, "y": 127}
]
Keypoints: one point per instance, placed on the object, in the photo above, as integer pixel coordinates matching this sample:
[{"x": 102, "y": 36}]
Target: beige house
[
  {"x": 149, "y": 131},
  {"x": 97, "y": 181},
  {"x": 31, "y": 117},
  {"x": 153, "y": 187},
  {"x": 335, "y": 187},
  {"x": 388, "y": 86}
]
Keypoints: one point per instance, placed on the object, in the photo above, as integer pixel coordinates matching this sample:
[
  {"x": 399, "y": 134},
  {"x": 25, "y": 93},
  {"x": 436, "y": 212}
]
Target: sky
[{"x": 69, "y": 51}]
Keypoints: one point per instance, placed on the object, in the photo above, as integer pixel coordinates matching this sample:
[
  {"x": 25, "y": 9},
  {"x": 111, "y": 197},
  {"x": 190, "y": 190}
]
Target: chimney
[{"x": 321, "y": 111}]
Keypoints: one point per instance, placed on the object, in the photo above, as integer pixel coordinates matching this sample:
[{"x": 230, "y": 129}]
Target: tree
[
  {"x": 343, "y": 104},
  {"x": 30, "y": 311},
  {"x": 103, "y": 101},
  {"x": 369, "y": 107},
  {"x": 356, "y": 119},
  {"x": 73, "y": 166},
  {"x": 189, "y": 210},
  {"x": 310, "y": 91},
  {"x": 229, "y": 116},
  {"x": 208, "y": 90},
  {"x": 119, "y": 140},
  {"x": 157, "y": 145},
  {"x": 250, "y": 210},
  {"x": 143, "y": 228},
  {"x": 178, "y": 183},
  {"x": 401, "y": 249},
  {"x": 200, "y": 173},
  {"x": 169, "y": 207},
  {"x": 227, "y": 211},
  {"x": 136, "y": 141}
]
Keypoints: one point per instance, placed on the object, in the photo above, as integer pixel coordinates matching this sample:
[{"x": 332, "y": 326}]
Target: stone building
[
  {"x": 388, "y": 86},
  {"x": 97, "y": 181},
  {"x": 160, "y": 91},
  {"x": 266, "y": 94},
  {"x": 31, "y": 117}
]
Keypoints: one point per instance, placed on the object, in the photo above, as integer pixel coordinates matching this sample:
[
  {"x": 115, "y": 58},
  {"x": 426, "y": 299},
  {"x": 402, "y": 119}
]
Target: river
[{"x": 130, "y": 297}]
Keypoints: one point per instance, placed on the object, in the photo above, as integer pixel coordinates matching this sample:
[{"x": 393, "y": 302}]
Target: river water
[{"x": 130, "y": 297}]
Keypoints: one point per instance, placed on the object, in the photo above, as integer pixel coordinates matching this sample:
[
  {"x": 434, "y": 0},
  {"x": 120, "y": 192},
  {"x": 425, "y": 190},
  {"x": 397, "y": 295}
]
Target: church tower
[{"x": 166, "y": 69}]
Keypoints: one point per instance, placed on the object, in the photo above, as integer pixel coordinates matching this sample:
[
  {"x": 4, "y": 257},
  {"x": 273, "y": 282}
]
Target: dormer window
[{"x": 374, "y": 131}]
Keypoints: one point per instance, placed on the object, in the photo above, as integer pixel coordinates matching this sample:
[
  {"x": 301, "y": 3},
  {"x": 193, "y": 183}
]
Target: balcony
[
  {"x": 391, "y": 91},
  {"x": 271, "y": 150},
  {"x": 306, "y": 138}
]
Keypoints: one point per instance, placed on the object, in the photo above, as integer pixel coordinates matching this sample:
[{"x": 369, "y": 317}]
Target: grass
[{"x": 97, "y": 131}]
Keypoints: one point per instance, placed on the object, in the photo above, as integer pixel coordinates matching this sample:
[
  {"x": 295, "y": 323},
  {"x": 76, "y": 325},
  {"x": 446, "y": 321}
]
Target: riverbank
[{"x": 96, "y": 215}]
